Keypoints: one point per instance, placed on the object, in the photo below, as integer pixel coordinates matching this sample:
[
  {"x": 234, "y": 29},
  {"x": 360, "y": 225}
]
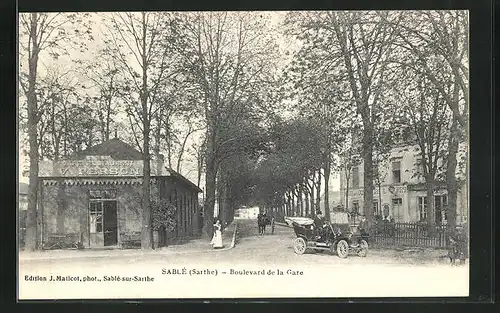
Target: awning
[{"x": 94, "y": 181}]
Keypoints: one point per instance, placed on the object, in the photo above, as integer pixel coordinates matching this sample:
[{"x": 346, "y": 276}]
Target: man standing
[
  {"x": 272, "y": 225},
  {"x": 362, "y": 225},
  {"x": 319, "y": 222},
  {"x": 259, "y": 222}
]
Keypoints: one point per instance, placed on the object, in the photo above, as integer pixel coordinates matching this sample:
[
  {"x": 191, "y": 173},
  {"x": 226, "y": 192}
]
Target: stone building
[
  {"x": 402, "y": 193},
  {"x": 95, "y": 197}
]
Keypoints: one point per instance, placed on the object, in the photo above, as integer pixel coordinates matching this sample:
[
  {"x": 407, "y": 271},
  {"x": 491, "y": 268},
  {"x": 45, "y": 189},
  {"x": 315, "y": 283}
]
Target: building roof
[
  {"x": 115, "y": 148},
  {"x": 184, "y": 179},
  {"x": 119, "y": 151}
]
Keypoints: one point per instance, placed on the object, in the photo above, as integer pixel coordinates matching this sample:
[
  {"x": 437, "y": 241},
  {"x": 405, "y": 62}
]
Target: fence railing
[{"x": 410, "y": 234}]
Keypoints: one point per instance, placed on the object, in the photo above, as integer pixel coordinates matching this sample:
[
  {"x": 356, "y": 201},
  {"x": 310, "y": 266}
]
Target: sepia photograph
[{"x": 243, "y": 154}]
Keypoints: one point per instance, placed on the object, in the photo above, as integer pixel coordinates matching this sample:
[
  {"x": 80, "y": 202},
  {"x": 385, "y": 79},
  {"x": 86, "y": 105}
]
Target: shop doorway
[
  {"x": 110, "y": 223},
  {"x": 103, "y": 220}
]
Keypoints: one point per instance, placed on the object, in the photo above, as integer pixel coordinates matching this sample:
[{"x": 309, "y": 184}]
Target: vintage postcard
[{"x": 243, "y": 154}]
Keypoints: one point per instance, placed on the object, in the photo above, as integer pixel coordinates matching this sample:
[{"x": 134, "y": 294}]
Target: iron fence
[{"x": 410, "y": 234}]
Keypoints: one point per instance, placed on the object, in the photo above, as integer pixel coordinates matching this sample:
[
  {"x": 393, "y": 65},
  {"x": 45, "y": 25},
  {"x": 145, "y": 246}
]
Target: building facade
[
  {"x": 246, "y": 213},
  {"x": 400, "y": 191},
  {"x": 96, "y": 197}
]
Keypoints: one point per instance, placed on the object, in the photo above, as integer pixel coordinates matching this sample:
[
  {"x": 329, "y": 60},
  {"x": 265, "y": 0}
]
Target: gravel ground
[{"x": 258, "y": 266}]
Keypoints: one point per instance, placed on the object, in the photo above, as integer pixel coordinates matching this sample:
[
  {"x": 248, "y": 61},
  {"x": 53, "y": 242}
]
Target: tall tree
[
  {"x": 427, "y": 117},
  {"x": 52, "y": 34},
  {"x": 104, "y": 78},
  {"x": 442, "y": 37},
  {"x": 230, "y": 60},
  {"x": 357, "y": 47},
  {"x": 143, "y": 45}
]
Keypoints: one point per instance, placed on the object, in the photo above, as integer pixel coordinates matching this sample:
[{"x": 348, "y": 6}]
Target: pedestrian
[
  {"x": 217, "y": 238},
  {"x": 362, "y": 225},
  {"x": 265, "y": 221},
  {"x": 272, "y": 225},
  {"x": 259, "y": 223}
]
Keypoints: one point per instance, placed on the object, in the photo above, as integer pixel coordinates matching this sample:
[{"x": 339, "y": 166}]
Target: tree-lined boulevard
[{"x": 262, "y": 107}]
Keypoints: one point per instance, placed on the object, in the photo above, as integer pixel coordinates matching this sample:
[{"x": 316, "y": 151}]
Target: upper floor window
[
  {"x": 396, "y": 171},
  {"x": 419, "y": 167},
  {"x": 355, "y": 177}
]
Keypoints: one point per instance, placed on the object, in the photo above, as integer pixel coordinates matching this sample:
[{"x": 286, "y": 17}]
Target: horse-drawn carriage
[{"x": 336, "y": 236}]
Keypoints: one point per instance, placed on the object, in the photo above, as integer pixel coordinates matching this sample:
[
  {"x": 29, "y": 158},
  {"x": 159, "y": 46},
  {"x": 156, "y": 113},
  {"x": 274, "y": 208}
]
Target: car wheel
[
  {"x": 342, "y": 249},
  {"x": 299, "y": 245},
  {"x": 363, "y": 248}
]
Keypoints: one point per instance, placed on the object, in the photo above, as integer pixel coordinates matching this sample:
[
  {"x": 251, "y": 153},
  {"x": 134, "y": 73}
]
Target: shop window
[
  {"x": 96, "y": 212},
  {"x": 396, "y": 172},
  {"x": 422, "y": 208},
  {"x": 355, "y": 177},
  {"x": 397, "y": 209}
]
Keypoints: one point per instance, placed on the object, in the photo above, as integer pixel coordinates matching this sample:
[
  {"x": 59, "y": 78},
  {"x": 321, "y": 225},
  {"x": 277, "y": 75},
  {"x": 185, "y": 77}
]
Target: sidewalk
[{"x": 192, "y": 246}]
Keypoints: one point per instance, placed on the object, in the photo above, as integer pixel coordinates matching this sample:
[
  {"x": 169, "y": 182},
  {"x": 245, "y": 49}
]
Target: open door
[{"x": 110, "y": 223}]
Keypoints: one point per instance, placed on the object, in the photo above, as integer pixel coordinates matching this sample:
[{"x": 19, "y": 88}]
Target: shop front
[
  {"x": 388, "y": 201},
  {"x": 96, "y": 200}
]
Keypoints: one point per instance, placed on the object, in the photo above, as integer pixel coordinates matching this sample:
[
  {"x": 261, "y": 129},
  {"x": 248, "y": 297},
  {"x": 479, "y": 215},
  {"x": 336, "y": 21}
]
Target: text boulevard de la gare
[{"x": 235, "y": 272}]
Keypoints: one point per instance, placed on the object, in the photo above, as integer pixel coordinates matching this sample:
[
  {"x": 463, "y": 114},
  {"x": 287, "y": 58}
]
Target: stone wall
[
  {"x": 74, "y": 210},
  {"x": 129, "y": 209},
  {"x": 70, "y": 216},
  {"x": 186, "y": 200}
]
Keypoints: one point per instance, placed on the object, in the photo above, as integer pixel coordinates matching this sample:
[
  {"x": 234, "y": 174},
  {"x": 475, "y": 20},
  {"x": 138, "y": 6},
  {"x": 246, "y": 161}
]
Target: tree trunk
[
  {"x": 451, "y": 181},
  {"x": 347, "y": 192},
  {"x": 147, "y": 229},
  {"x": 31, "y": 218},
  {"x": 183, "y": 147},
  {"x": 157, "y": 136},
  {"x": 431, "y": 212},
  {"x": 327, "y": 189},
  {"x": 300, "y": 199},
  {"x": 210, "y": 178},
  {"x": 310, "y": 195},
  {"x": 306, "y": 198},
  {"x": 108, "y": 112},
  {"x": 318, "y": 191},
  {"x": 379, "y": 197},
  {"x": 368, "y": 173}
]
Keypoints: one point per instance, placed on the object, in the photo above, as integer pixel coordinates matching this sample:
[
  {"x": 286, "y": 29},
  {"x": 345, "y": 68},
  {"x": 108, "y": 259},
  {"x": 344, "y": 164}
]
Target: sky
[{"x": 189, "y": 167}]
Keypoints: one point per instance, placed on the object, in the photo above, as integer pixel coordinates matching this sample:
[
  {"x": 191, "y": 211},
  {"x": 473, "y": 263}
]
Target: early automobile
[{"x": 337, "y": 236}]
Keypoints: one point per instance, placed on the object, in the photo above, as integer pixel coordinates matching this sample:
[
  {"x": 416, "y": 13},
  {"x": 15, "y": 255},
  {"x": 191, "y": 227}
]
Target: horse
[{"x": 262, "y": 222}]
